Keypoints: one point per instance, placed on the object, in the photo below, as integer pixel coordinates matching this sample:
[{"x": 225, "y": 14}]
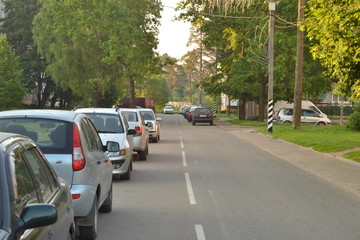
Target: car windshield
[
  {"x": 203, "y": 111},
  {"x": 168, "y": 107},
  {"x": 131, "y": 116},
  {"x": 106, "y": 123},
  {"x": 147, "y": 115},
  {"x": 52, "y": 136}
]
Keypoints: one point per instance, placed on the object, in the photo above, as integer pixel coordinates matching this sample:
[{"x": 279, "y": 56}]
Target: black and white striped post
[
  {"x": 270, "y": 115},
  {"x": 214, "y": 112}
]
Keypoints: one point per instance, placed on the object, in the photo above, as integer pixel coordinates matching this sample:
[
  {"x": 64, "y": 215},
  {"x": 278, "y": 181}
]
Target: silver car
[
  {"x": 154, "y": 130},
  {"x": 73, "y": 147},
  {"x": 34, "y": 202},
  {"x": 112, "y": 125},
  {"x": 308, "y": 116},
  {"x": 141, "y": 138}
]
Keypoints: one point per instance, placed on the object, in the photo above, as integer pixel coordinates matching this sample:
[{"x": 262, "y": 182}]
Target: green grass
[
  {"x": 320, "y": 138},
  {"x": 353, "y": 156}
]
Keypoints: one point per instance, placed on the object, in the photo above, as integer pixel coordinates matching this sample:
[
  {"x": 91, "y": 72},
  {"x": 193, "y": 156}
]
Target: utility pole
[
  {"x": 299, "y": 67},
  {"x": 271, "y": 66},
  {"x": 201, "y": 93}
]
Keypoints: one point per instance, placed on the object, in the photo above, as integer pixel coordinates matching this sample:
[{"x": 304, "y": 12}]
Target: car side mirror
[
  {"x": 37, "y": 215},
  {"x": 159, "y": 119},
  {"x": 149, "y": 124},
  {"x": 112, "y": 146},
  {"x": 131, "y": 132}
]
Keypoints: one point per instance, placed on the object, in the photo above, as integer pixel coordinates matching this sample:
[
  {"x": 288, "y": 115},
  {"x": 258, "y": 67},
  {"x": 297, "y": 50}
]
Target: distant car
[
  {"x": 149, "y": 116},
  {"x": 190, "y": 112},
  {"x": 112, "y": 125},
  {"x": 169, "y": 109},
  {"x": 182, "y": 110},
  {"x": 202, "y": 115},
  {"x": 34, "y": 202},
  {"x": 73, "y": 147},
  {"x": 141, "y": 138},
  {"x": 285, "y": 115}
]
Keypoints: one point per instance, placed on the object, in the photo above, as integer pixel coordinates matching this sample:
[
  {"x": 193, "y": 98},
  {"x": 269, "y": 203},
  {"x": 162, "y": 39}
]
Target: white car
[
  {"x": 112, "y": 125},
  {"x": 285, "y": 116},
  {"x": 141, "y": 138},
  {"x": 169, "y": 109},
  {"x": 149, "y": 116}
]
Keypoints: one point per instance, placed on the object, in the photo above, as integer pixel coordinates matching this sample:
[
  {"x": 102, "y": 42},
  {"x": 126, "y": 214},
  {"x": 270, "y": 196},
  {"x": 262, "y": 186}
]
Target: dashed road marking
[
  {"x": 184, "y": 158},
  {"x": 190, "y": 189},
  {"x": 200, "y": 232}
]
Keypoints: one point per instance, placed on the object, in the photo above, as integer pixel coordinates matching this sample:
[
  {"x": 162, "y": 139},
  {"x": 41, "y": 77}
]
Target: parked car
[
  {"x": 141, "y": 138},
  {"x": 169, "y": 109},
  {"x": 202, "y": 115},
  {"x": 34, "y": 202},
  {"x": 73, "y": 147},
  {"x": 111, "y": 124},
  {"x": 190, "y": 112},
  {"x": 308, "y": 116},
  {"x": 149, "y": 116}
]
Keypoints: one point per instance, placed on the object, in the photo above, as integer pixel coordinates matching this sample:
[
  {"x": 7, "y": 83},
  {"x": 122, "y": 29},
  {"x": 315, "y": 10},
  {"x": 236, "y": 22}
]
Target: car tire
[
  {"x": 126, "y": 176},
  {"x": 211, "y": 123},
  {"x": 107, "y": 205},
  {"x": 193, "y": 123},
  {"x": 142, "y": 155},
  {"x": 287, "y": 122},
  {"x": 155, "y": 140},
  {"x": 90, "y": 232},
  {"x": 321, "y": 124}
]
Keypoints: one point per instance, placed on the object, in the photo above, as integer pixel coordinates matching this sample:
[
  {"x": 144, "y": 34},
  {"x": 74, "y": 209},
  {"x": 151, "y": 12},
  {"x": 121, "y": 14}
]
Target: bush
[
  {"x": 335, "y": 110},
  {"x": 354, "y": 121}
]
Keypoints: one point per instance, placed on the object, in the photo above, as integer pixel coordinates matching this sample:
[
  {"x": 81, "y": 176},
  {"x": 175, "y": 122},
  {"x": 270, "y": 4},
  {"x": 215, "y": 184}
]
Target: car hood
[{"x": 115, "y": 137}]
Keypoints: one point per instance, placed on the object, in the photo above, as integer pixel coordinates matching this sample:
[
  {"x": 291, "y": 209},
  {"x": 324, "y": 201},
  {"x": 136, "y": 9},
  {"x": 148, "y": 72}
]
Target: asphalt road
[{"x": 200, "y": 182}]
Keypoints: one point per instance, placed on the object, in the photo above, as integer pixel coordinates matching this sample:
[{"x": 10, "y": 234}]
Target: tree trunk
[
  {"x": 132, "y": 91},
  {"x": 262, "y": 97},
  {"x": 241, "y": 110},
  {"x": 299, "y": 67}
]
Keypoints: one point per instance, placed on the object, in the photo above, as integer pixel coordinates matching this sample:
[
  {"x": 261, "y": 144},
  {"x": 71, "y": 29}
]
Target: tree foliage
[
  {"x": 92, "y": 45},
  {"x": 18, "y": 27},
  {"x": 11, "y": 90},
  {"x": 333, "y": 27}
]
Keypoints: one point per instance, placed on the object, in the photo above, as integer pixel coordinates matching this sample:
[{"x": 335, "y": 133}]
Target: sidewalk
[{"x": 339, "y": 171}]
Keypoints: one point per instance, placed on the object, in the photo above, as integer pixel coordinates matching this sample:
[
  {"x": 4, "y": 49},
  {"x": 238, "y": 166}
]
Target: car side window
[
  {"x": 92, "y": 137},
  {"x": 142, "y": 119},
  {"x": 21, "y": 184},
  {"x": 125, "y": 121},
  {"x": 45, "y": 183},
  {"x": 288, "y": 112}
]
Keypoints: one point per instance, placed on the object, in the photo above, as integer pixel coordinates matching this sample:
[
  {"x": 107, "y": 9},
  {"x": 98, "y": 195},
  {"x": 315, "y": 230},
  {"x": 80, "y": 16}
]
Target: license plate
[{"x": 203, "y": 115}]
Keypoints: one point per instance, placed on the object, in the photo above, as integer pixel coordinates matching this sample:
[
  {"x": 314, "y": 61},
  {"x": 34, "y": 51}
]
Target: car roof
[
  {"x": 130, "y": 109},
  {"x": 97, "y": 110},
  {"x": 146, "y": 109},
  {"x": 63, "y": 115}
]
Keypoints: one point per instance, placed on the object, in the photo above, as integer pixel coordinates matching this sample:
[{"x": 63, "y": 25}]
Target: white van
[{"x": 304, "y": 105}]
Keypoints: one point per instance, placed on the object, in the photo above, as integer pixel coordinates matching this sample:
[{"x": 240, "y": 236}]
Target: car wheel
[
  {"x": 193, "y": 123},
  {"x": 286, "y": 122},
  {"x": 158, "y": 138},
  {"x": 321, "y": 124},
  {"x": 142, "y": 155},
  {"x": 147, "y": 150},
  {"x": 90, "y": 232},
  {"x": 126, "y": 176},
  {"x": 155, "y": 140},
  {"x": 211, "y": 123},
  {"x": 107, "y": 205},
  {"x": 131, "y": 164}
]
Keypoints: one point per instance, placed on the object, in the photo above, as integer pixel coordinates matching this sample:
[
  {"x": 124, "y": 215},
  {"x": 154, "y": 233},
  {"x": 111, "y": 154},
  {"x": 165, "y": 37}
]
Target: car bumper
[
  {"x": 139, "y": 144},
  {"x": 202, "y": 119},
  {"x": 83, "y": 205},
  {"x": 121, "y": 165}
]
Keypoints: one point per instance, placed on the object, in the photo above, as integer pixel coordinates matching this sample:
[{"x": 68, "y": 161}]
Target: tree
[
  {"x": 11, "y": 90},
  {"x": 86, "y": 54},
  {"x": 18, "y": 26},
  {"x": 333, "y": 27}
]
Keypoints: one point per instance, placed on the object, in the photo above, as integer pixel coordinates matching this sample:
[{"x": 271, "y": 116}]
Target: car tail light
[
  {"x": 76, "y": 196},
  {"x": 138, "y": 130},
  {"x": 78, "y": 156}
]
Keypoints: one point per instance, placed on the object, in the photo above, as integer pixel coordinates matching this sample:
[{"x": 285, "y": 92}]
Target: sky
[{"x": 173, "y": 35}]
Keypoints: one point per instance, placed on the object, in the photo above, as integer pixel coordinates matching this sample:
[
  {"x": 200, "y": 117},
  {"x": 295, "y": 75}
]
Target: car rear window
[
  {"x": 147, "y": 115},
  {"x": 52, "y": 136},
  {"x": 203, "y": 111},
  {"x": 106, "y": 123},
  {"x": 131, "y": 116}
]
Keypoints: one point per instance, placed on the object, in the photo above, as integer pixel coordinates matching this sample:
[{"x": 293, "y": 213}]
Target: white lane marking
[
  {"x": 190, "y": 189},
  {"x": 200, "y": 232},
  {"x": 184, "y": 158},
  {"x": 182, "y": 144}
]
